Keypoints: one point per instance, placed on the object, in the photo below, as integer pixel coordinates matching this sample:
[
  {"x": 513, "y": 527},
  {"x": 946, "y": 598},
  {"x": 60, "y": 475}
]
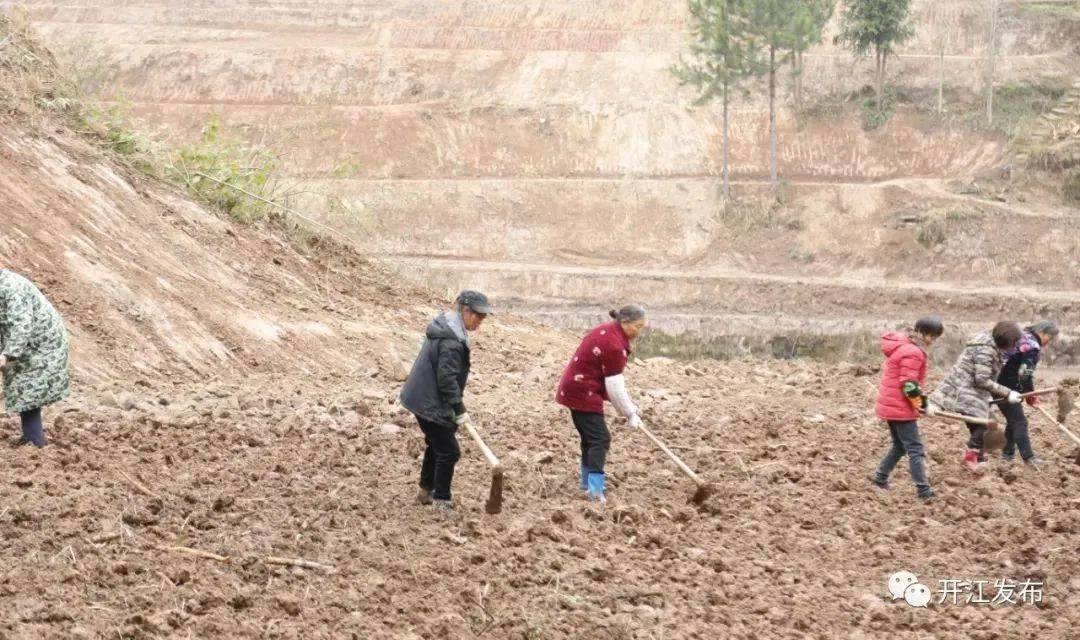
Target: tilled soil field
[{"x": 99, "y": 527}]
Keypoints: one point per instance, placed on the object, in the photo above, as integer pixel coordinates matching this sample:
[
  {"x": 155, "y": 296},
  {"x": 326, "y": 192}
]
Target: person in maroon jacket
[
  {"x": 595, "y": 374},
  {"x": 900, "y": 398}
]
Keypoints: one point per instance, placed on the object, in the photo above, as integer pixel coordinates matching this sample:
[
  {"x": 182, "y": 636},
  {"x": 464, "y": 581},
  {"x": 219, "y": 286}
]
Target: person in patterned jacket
[
  {"x": 33, "y": 354},
  {"x": 972, "y": 384},
  {"x": 595, "y": 374},
  {"x": 1018, "y": 374}
]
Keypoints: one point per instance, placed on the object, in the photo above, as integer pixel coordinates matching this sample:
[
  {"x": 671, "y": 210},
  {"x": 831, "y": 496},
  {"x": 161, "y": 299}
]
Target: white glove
[
  {"x": 931, "y": 410},
  {"x": 1014, "y": 397},
  {"x": 634, "y": 421},
  {"x": 463, "y": 418}
]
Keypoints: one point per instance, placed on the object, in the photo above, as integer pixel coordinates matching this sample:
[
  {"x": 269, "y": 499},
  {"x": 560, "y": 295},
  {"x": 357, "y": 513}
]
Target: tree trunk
[
  {"x": 772, "y": 117},
  {"x": 991, "y": 51},
  {"x": 884, "y": 62},
  {"x": 797, "y": 64},
  {"x": 879, "y": 77},
  {"x": 941, "y": 79},
  {"x": 724, "y": 152}
]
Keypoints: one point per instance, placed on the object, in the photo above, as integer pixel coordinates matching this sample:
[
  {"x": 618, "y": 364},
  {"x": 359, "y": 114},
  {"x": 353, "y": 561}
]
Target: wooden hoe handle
[
  {"x": 1051, "y": 418},
  {"x": 959, "y": 417},
  {"x": 674, "y": 458},
  {"x": 492, "y": 459},
  {"x": 1029, "y": 394}
]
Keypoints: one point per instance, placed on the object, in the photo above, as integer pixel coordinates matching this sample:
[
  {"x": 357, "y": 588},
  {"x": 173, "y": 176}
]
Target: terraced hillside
[{"x": 552, "y": 133}]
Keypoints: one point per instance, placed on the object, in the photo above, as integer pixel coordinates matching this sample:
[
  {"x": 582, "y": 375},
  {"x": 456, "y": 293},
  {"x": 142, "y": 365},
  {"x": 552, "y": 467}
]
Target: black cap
[{"x": 474, "y": 300}]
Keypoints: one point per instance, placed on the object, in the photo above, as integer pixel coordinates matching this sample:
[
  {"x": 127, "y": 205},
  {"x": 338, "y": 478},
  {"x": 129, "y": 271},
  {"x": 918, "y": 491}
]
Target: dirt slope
[{"x": 155, "y": 285}]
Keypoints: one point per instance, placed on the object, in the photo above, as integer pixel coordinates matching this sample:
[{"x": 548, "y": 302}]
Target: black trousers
[
  {"x": 442, "y": 453},
  {"x": 32, "y": 429},
  {"x": 595, "y": 439},
  {"x": 1016, "y": 431},
  {"x": 975, "y": 442}
]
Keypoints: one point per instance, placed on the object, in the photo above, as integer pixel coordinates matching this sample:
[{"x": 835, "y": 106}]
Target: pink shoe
[{"x": 971, "y": 461}]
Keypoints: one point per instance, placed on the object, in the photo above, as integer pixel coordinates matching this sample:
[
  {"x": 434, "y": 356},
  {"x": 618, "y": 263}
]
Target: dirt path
[{"x": 861, "y": 282}]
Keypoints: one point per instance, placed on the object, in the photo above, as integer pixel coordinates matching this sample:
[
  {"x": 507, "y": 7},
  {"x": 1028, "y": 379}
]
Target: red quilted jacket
[
  {"x": 602, "y": 353},
  {"x": 904, "y": 361}
]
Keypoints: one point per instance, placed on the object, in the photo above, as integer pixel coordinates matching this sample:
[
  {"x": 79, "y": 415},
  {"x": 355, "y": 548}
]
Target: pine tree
[
  {"x": 770, "y": 24},
  {"x": 807, "y": 24},
  {"x": 721, "y": 58},
  {"x": 878, "y": 25},
  {"x": 994, "y": 10}
]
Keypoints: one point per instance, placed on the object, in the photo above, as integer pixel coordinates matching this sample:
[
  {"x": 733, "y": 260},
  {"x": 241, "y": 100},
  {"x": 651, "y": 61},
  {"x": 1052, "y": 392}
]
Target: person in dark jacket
[
  {"x": 900, "y": 399},
  {"x": 434, "y": 393},
  {"x": 595, "y": 374},
  {"x": 1018, "y": 374}
]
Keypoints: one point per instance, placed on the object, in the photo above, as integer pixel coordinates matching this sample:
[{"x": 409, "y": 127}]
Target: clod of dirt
[
  {"x": 139, "y": 519},
  {"x": 224, "y": 502},
  {"x": 702, "y": 493},
  {"x": 1065, "y": 404},
  {"x": 544, "y": 457},
  {"x": 389, "y": 429},
  {"x": 289, "y": 605}
]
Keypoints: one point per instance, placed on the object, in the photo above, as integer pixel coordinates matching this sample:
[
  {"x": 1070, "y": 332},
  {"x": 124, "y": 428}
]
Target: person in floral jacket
[
  {"x": 595, "y": 374},
  {"x": 33, "y": 354}
]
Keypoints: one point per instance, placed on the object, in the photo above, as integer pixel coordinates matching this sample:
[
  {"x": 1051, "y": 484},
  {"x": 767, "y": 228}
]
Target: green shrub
[
  {"x": 766, "y": 212},
  {"x": 874, "y": 117},
  {"x": 931, "y": 233},
  {"x": 111, "y": 128},
  {"x": 236, "y": 178}
]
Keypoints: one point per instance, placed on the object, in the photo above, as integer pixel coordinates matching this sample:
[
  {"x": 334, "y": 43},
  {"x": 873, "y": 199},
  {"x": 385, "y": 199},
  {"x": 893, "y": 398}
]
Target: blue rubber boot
[
  {"x": 596, "y": 487},
  {"x": 584, "y": 478}
]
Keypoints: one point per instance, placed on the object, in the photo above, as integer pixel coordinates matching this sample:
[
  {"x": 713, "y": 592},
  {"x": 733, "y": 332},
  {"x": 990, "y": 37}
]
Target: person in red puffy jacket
[{"x": 900, "y": 398}]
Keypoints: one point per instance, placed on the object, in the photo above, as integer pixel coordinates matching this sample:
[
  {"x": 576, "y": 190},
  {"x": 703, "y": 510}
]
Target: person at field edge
[
  {"x": 33, "y": 355},
  {"x": 972, "y": 384},
  {"x": 1018, "y": 374},
  {"x": 900, "y": 399},
  {"x": 434, "y": 393},
  {"x": 595, "y": 374}
]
